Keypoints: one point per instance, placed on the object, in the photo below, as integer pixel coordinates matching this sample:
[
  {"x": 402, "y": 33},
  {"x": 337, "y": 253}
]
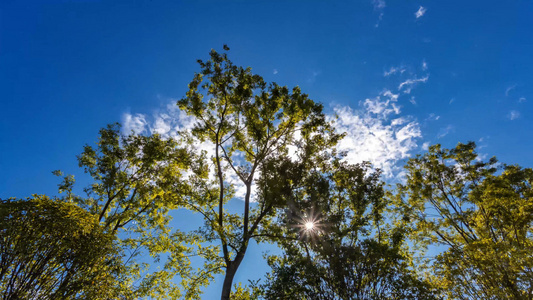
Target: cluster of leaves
[
  {"x": 481, "y": 213},
  {"x": 138, "y": 180},
  {"x": 349, "y": 252},
  {"x": 250, "y": 125},
  {"x": 50, "y": 249}
]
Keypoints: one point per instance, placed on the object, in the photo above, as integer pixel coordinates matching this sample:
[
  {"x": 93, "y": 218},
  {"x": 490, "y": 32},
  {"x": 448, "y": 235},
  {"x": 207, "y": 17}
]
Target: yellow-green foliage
[
  {"x": 480, "y": 213},
  {"x": 50, "y": 249}
]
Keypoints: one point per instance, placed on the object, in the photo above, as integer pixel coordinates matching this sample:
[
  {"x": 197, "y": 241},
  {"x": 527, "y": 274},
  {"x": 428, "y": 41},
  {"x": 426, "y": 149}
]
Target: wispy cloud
[
  {"x": 172, "y": 123},
  {"x": 161, "y": 126},
  {"x": 445, "y": 131},
  {"x": 377, "y": 132},
  {"x": 432, "y": 117},
  {"x": 168, "y": 122},
  {"x": 394, "y": 70},
  {"x": 134, "y": 123},
  {"x": 408, "y": 84},
  {"x": 522, "y": 100},
  {"x": 275, "y": 71},
  {"x": 509, "y": 89},
  {"x": 420, "y": 12},
  {"x": 314, "y": 74},
  {"x": 452, "y": 100},
  {"x": 482, "y": 143},
  {"x": 383, "y": 105},
  {"x": 513, "y": 115},
  {"x": 379, "y": 6},
  {"x": 424, "y": 65}
]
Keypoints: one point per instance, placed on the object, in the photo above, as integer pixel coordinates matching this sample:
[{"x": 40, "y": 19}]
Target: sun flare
[{"x": 309, "y": 225}]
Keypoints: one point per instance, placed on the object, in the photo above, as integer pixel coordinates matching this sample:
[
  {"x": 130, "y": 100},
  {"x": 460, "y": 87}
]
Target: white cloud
[
  {"x": 432, "y": 117},
  {"x": 391, "y": 96},
  {"x": 452, "y": 100},
  {"x": 408, "y": 132},
  {"x": 398, "y": 121},
  {"x": 522, "y": 99},
  {"x": 379, "y": 4},
  {"x": 172, "y": 123},
  {"x": 445, "y": 131},
  {"x": 482, "y": 140},
  {"x": 509, "y": 89},
  {"x": 383, "y": 107},
  {"x": 420, "y": 12},
  {"x": 412, "y": 100},
  {"x": 408, "y": 84},
  {"x": 379, "y": 20},
  {"x": 513, "y": 115},
  {"x": 136, "y": 123},
  {"x": 391, "y": 71},
  {"x": 161, "y": 126},
  {"x": 425, "y": 146},
  {"x": 424, "y": 65},
  {"x": 275, "y": 71},
  {"x": 376, "y": 132},
  {"x": 394, "y": 70},
  {"x": 371, "y": 137},
  {"x": 481, "y": 156}
]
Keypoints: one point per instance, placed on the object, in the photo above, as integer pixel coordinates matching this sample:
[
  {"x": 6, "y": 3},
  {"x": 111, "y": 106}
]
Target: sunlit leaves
[
  {"x": 50, "y": 249},
  {"x": 480, "y": 214},
  {"x": 352, "y": 253},
  {"x": 137, "y": 182},
  {"x": 251, "y": 126}
]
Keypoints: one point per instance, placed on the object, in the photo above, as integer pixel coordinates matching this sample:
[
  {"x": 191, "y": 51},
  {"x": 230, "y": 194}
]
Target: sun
[{"x": 309, "y": 225}]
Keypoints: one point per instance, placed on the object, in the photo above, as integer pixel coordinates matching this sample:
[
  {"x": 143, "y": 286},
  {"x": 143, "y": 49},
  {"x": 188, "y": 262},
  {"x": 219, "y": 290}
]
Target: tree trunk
[{"x": 231, "y": 269}]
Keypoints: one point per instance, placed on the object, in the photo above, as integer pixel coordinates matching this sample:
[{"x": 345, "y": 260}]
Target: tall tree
[
  {"x": 51, "y": 249},
  {"x": 137, "y": 180},
  {"x": 255, "y": 130},
  {"x": 480, "y": 213},
  {"x": 337, "y": 244}
]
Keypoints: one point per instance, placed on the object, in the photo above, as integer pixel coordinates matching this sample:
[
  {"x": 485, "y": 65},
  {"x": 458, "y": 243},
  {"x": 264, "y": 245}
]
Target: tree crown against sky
[
  {"x": 480, "y": 213},
  {"x": 352, "y": 251},
  {"x": 137, "y": 181},
  {"x": 254, "y": 130},
  {"x": 257, "y": 133},
  {"x": 271, "y": 149},
  {"x": 402, "y": 75},
  {"x": 53, "y": 249}
]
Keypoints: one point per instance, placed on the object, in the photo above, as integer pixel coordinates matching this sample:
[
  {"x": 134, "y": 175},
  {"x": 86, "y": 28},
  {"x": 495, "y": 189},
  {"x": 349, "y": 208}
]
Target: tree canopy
[
  {"x": 481, "y": 213},
  {"x": 256, "y": 132},
  {"x": 272, "y": 152},
  {"x": 137, "y": 181},
  {"x": 51, "y": 249},
  {"x": 349, "y": 252}
]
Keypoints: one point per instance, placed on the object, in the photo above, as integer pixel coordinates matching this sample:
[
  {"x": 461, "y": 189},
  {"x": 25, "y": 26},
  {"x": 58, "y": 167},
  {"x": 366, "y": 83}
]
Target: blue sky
[{"x": 400, "y": 74}]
